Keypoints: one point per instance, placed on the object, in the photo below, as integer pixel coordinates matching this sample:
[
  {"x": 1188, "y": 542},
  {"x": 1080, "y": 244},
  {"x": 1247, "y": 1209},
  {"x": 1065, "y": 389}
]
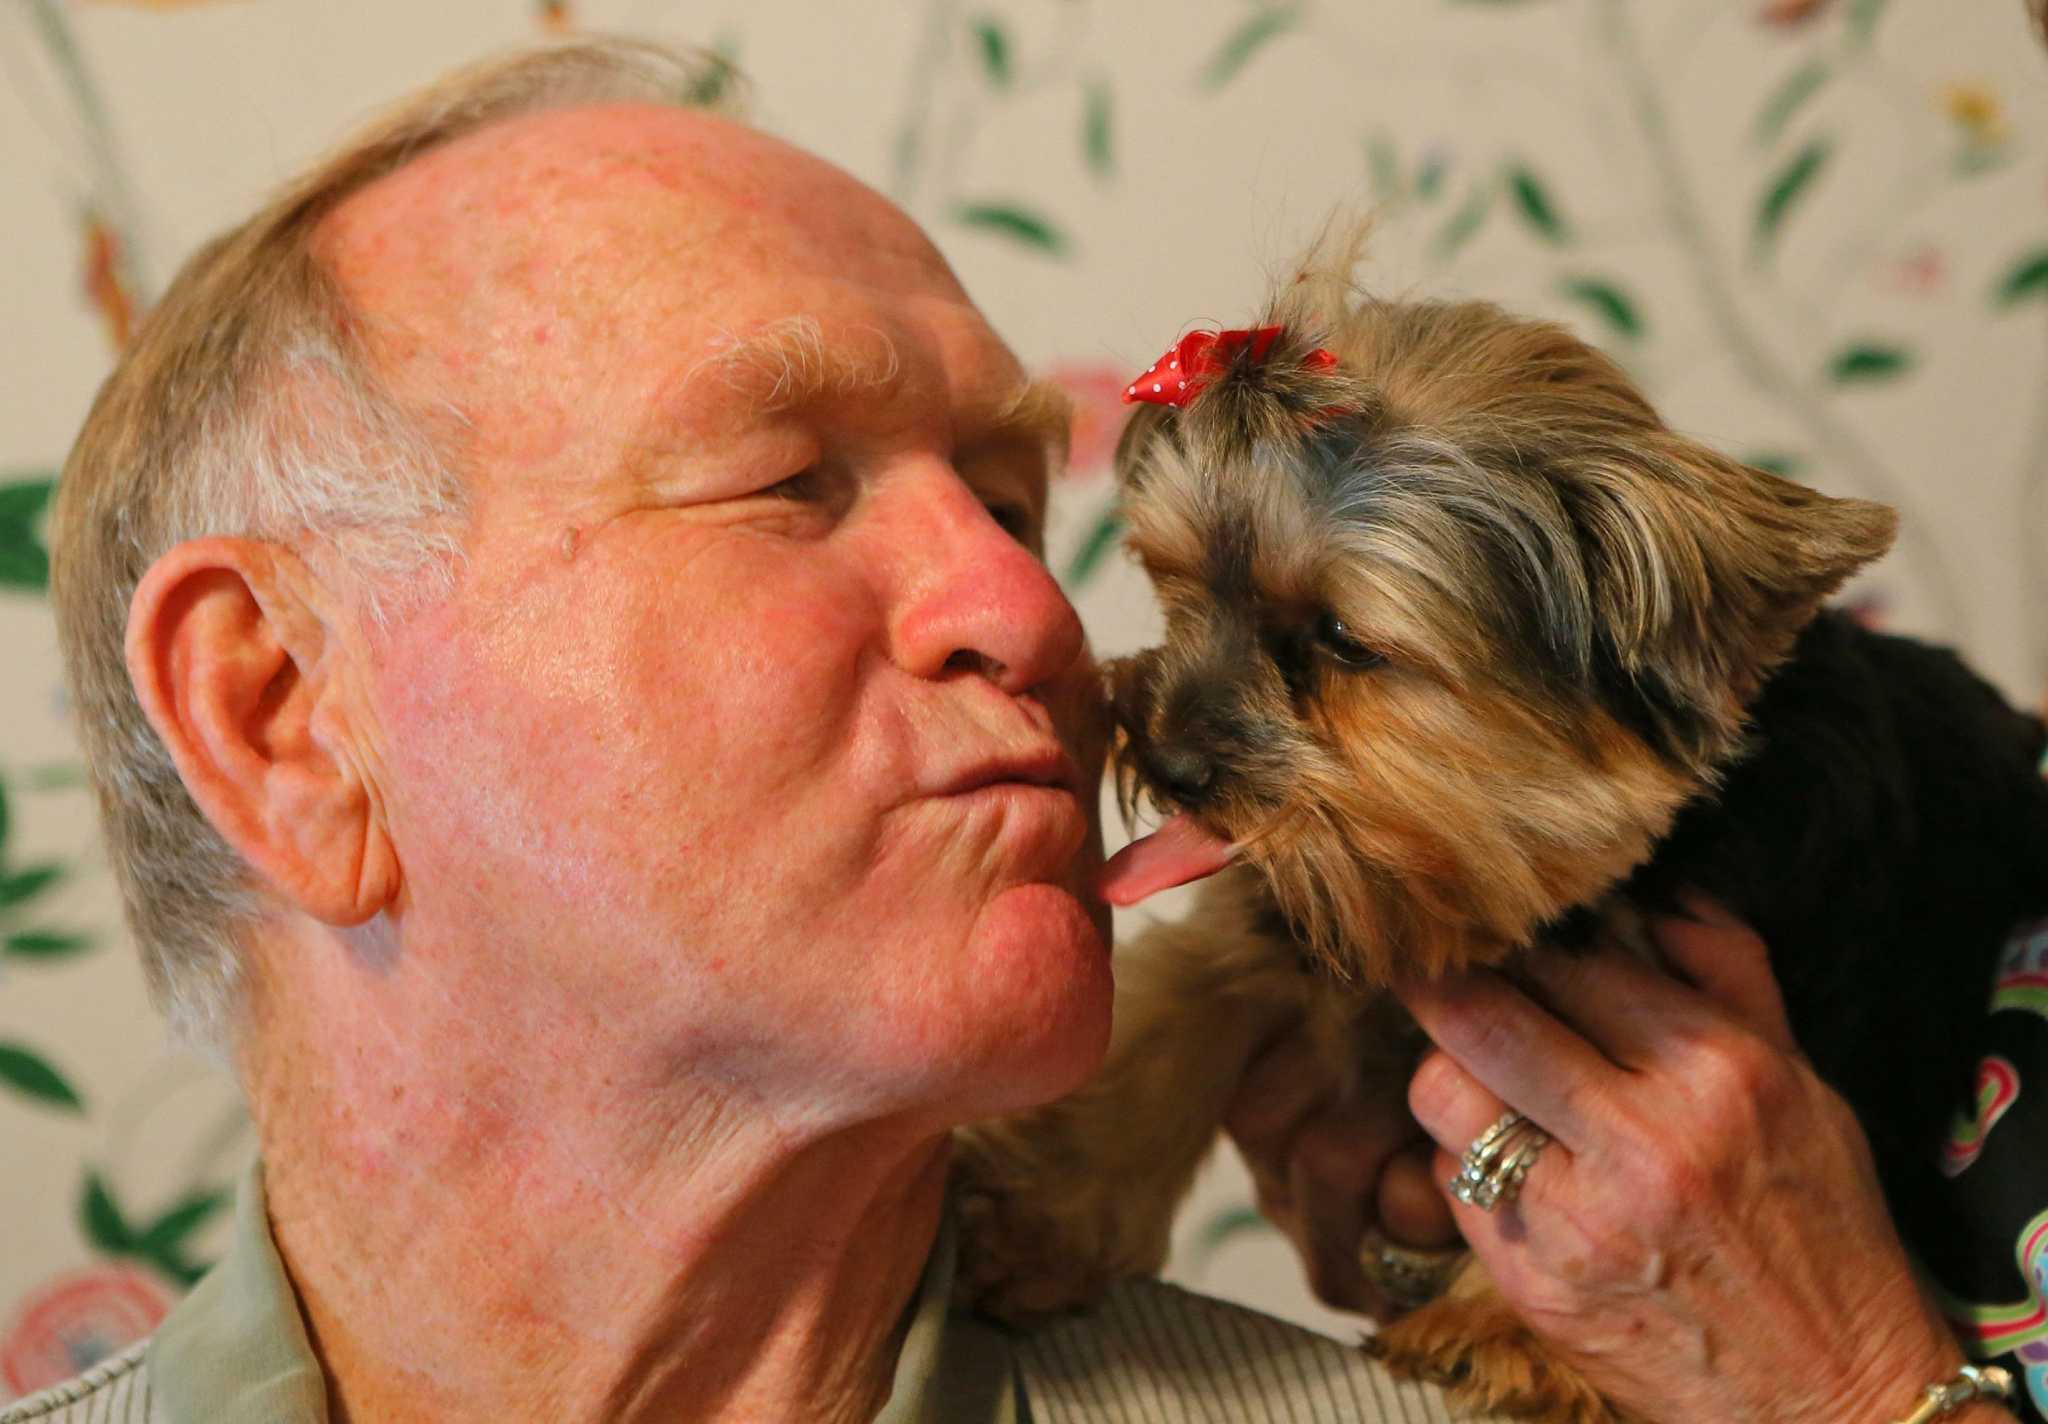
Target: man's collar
[
  {"x": 952, "y": 1367},
  {"x": 235, "y": 1350}
]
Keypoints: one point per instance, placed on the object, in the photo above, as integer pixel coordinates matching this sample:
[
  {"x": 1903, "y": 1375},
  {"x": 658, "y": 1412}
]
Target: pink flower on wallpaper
[
  {"x": 73, "y": 1322},
  {"x": 1921, "y": 272},
  {"x": 1791, "y": 12},
  {"x": 1871, "y": 609},
  {"x": 1097, "y": 391}
]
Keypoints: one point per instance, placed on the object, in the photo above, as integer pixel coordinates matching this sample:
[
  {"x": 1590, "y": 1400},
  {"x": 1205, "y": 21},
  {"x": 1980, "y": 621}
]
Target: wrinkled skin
[{"x": 1705, "y": 1239}]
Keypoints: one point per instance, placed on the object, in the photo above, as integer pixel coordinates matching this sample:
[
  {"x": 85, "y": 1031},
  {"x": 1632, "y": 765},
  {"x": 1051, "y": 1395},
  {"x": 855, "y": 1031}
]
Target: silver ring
[
  {"x": 1497, "y": 1161},
  {"x": 1409, "y": 1275}
]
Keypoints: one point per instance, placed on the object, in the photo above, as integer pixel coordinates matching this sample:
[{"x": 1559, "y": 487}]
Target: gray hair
[{"x": 246, "y": 406}]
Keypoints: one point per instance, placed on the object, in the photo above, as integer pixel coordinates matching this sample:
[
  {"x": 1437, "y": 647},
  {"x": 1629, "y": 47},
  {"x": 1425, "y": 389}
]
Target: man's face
[{"x": 735, "y": 746}]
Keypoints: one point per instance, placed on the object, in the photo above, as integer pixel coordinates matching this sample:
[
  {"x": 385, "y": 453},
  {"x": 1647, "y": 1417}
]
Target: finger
[
  {"x": 1275, "y": 1201},
  {"x": 1456, "y": 1108},
  {"x": 1412, "y": 1209},
  {"x": 1519, "y": 1050},
  {"x": 1629, "y": 1010},
  {"x": 1334, "y": 1167},
  {"x": 1331, "y": 1186},
  {"x": 1729, "y": 963},
  {"x": 1281, "y": 1089}
]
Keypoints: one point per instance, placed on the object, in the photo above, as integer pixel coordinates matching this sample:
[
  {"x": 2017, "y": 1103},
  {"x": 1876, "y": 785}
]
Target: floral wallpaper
[{"x": 1816, "y": 230}]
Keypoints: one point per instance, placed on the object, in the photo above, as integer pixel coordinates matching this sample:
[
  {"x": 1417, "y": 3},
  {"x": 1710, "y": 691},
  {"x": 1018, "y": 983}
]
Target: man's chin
[{"x": 1040, "y": 990}]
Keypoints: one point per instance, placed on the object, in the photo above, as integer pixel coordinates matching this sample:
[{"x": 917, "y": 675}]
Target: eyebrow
[
  {"x": 1042, "y": 413},
  {"x": 787, "y": 364}
]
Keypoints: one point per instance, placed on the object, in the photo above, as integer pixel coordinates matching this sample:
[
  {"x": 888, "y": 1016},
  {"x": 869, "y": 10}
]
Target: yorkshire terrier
[{"x": 1467, "y": 651}]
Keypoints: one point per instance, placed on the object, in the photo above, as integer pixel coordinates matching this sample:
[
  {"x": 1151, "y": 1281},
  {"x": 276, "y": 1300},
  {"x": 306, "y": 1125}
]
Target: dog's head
[{"x": 1454, "y": 626}]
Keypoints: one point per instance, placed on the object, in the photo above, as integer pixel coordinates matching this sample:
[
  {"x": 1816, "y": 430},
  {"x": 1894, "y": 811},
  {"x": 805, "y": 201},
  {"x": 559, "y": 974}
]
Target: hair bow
[{"x": 1190, "y": 363}]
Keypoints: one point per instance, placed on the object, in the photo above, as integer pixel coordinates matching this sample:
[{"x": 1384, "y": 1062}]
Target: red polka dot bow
[{"x": 1178, "y": 377}]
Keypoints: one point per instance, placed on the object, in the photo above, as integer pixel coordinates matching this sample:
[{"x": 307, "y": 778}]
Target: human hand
[
  {"x": 1328, "y": 1171},
  {"x": 1704, "y": 1239}
]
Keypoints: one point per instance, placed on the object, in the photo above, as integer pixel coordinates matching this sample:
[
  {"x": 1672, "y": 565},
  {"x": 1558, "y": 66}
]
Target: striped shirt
[{"x": 235, "y": 1352}]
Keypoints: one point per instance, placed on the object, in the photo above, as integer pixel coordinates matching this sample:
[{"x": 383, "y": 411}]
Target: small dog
[{"x": 1467, "y": 651}]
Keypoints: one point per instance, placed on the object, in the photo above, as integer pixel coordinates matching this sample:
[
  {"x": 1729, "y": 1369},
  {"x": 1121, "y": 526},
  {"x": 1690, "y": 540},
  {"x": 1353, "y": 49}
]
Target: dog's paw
[
  {"x": 1489, "y": 1363},
  {"x": 1047, "y": 1226},
  {"x": 1020, "y": 1265}
]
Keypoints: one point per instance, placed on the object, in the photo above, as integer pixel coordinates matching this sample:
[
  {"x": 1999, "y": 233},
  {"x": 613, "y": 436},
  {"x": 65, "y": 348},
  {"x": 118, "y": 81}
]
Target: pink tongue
[{"x": 1176, "y": 853}]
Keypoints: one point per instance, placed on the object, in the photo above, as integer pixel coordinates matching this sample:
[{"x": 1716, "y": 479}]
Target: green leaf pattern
[
  {"x": 24, "y": 562},
  {"x": 29, "y": 1073},
  {"x": 1098, "y": 136},
  {"x": 2025, "y": 280},
  {"x": 1247, "y": 40},
  {"x": 163, "y": 1242},
  {"x": 1014, "y": 221},
  {"x": 1533, "y": 202},
  {"x": 1464, "y": 224},
  {"x": 1786, "y": 188},
  {"x": 995, "y": 51},
  {"x": 1866, "y": 361},
  {"x": 1787, "y": 99},
  {"x": 1606, "y": 299}
]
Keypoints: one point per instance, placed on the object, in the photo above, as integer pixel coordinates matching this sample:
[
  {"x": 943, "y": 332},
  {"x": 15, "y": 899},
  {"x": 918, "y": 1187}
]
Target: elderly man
[{"x": 583, "y": 728}]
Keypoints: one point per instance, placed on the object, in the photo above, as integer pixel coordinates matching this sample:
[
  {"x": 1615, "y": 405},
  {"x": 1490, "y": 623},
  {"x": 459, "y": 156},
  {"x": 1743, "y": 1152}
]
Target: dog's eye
[{"x": 1335, "y": 639}]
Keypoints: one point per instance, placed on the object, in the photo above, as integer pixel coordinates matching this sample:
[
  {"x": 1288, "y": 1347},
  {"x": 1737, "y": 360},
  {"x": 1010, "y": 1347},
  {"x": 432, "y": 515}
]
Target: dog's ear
[{"x": 1702, "y": 573}]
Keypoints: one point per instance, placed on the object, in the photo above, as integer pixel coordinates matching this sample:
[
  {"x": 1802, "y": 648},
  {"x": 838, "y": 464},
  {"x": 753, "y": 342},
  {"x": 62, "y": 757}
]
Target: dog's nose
[{"x": 1182, "y": 772}]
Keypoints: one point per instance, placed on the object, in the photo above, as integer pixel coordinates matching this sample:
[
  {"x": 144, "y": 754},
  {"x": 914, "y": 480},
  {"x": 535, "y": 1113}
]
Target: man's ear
[{"x": 237, "y": 663}]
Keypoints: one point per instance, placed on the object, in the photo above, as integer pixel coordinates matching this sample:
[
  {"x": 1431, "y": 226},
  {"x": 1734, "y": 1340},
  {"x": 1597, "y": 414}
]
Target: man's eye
[
  {"x": 823, "y": 489},
  {"x": 1335, "y": 640},
  {"x": 804, "y": 486}
]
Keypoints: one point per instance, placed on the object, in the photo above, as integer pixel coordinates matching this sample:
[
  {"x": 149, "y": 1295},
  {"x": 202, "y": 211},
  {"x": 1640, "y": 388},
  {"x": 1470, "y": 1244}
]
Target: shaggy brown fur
[
  {"x": 1454, "y": 630},
  {"x": 1496, "y": 514},
  {"x": 1478, "y": 1349}
]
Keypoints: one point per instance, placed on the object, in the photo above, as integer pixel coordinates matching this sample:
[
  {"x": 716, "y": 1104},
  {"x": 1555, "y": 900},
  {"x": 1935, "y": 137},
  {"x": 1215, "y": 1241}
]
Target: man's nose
[{"x": 968, "y": 595}]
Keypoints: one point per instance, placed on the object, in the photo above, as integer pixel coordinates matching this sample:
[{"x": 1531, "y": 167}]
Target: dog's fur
[{"x": 1606, "y": 674}]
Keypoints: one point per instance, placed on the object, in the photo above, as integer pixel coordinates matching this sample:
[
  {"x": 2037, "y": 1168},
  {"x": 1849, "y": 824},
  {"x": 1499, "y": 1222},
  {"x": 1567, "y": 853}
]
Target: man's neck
[{"x": 470, "y": 1245}]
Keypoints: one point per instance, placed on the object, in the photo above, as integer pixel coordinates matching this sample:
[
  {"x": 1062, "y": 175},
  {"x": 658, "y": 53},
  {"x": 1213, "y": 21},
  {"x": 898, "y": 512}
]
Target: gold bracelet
[{"x": 1970, "y": 1384}]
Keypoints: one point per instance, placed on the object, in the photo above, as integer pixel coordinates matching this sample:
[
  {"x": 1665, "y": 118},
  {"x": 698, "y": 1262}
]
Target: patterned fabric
[
  {"x": 1994, "y": 1280},
  {"x": 1154, "y": 1354},
  {"x": 1151, "y": 1354},
  {"x": 114, "y": 1391}
]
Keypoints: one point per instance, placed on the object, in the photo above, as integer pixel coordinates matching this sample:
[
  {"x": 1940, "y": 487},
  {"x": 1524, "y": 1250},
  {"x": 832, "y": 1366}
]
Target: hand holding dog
[
  {"x": 1329, "y": 1171},
  {"x": 1705, "y": 1237}
]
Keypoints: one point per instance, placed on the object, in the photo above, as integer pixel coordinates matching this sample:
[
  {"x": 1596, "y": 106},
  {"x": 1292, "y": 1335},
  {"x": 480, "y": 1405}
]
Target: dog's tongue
[{"x": 1176, "y": 853}]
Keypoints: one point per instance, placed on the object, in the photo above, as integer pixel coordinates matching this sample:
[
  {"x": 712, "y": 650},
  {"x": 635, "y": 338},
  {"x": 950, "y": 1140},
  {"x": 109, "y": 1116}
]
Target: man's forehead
[
  {"x": 603, "y": 152},
  {"x": 617, "y": 246},
  {"x": 579, "y": 207}
]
